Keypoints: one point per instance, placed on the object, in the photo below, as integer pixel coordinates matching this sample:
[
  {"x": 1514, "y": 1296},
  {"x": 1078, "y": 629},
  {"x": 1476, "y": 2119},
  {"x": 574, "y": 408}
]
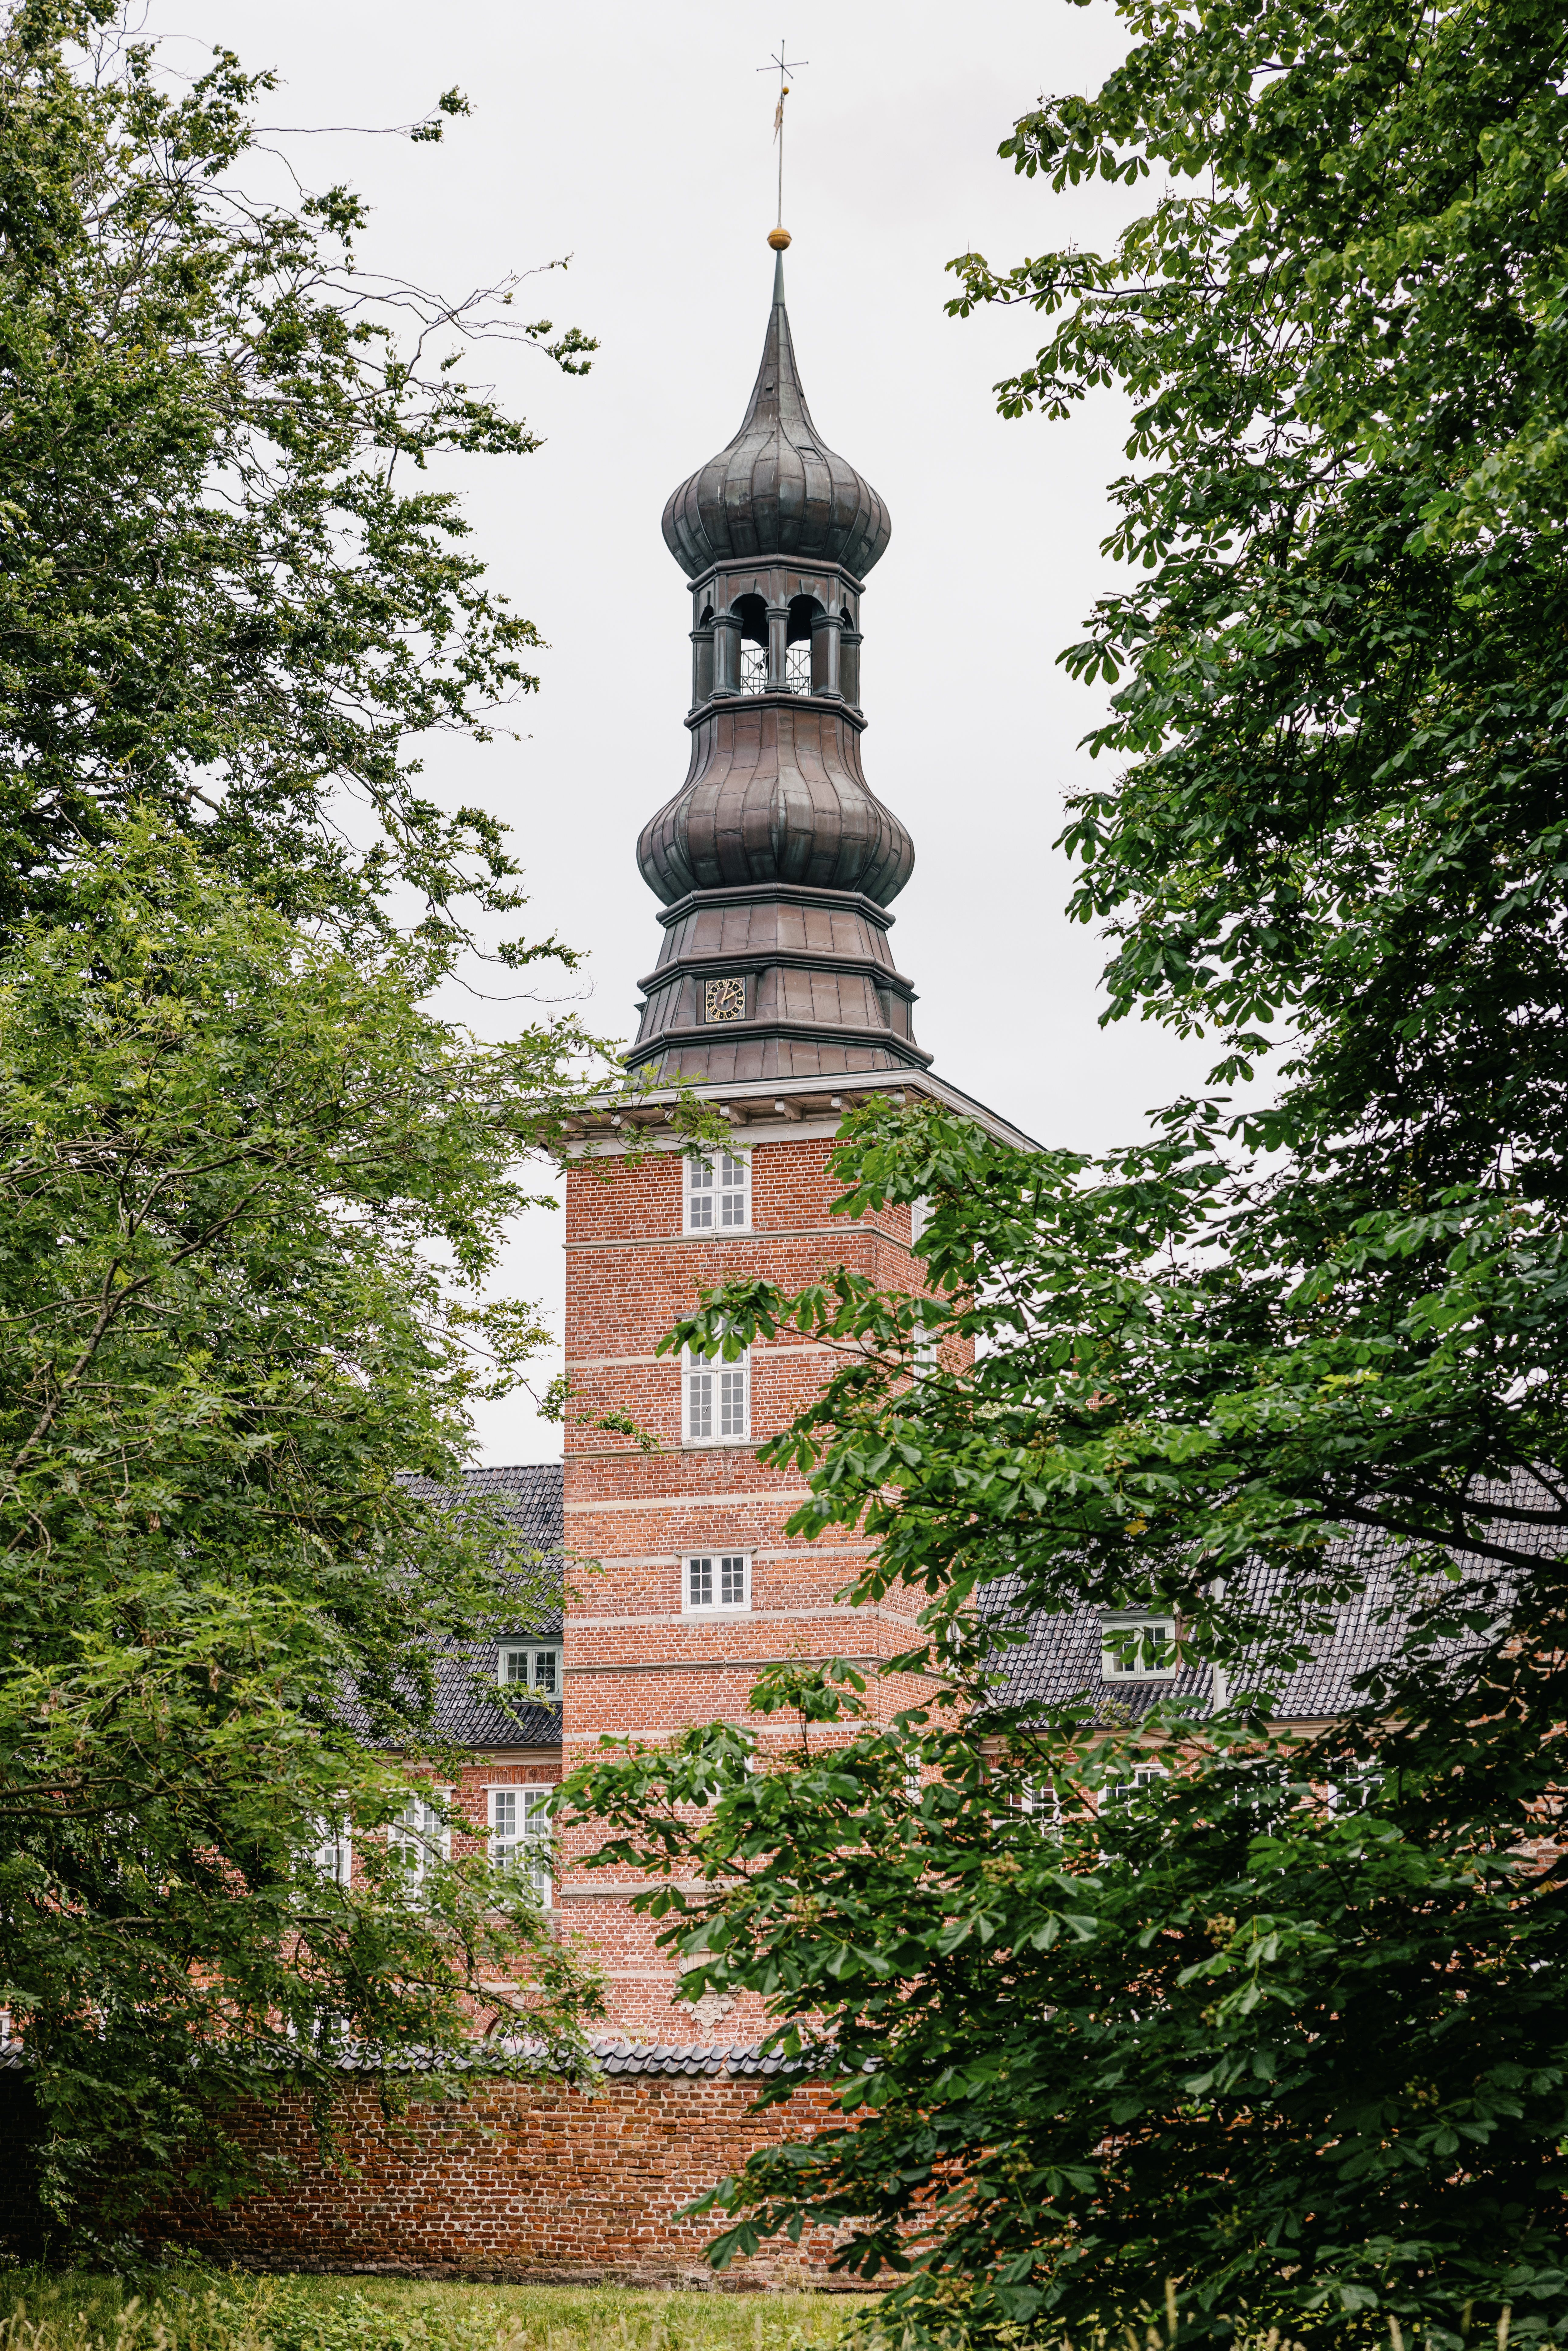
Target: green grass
[{"x": 203, "y": 2311}]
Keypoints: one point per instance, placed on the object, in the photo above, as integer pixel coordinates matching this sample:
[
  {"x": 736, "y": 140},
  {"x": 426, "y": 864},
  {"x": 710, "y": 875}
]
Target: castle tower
[
  {"x": 775, "y": 860},
  {"x": 776, "y": 997}
]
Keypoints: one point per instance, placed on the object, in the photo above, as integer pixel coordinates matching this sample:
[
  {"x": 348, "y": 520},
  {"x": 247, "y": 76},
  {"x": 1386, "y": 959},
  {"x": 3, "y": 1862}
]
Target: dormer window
[
  {"x": 1136, "y": 1645},
  {"x": 531, "y": 1667}
]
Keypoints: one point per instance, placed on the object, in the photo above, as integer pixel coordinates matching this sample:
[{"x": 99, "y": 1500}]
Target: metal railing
[{"x": 797, "y": 671}]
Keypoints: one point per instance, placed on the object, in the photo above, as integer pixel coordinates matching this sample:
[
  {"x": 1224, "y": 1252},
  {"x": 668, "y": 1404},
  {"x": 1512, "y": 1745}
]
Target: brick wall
[
  {"x": 637, "y": 1664},
  {"x": 525, "y": 2181}
]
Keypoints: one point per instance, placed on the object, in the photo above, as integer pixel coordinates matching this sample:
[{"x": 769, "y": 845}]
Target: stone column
[
  {"x": 825, "y": 654},
  {"x": 777, "y": 648},
  {"x": 849, "y": 665},
  {"x": 702, "y": 665},
  {"x": 726, "y": 654}
]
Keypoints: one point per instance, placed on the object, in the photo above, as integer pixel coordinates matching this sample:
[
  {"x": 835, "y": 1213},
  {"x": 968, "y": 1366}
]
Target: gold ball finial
[{"x": 779, "y": 238}]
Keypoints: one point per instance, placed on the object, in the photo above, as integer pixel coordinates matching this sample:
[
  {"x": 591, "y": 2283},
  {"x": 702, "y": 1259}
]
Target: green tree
[
  {"x": 234, "y": 1161},
  {"x": 1310, "y": 2065},
  {"x": 227, "y": 588}
]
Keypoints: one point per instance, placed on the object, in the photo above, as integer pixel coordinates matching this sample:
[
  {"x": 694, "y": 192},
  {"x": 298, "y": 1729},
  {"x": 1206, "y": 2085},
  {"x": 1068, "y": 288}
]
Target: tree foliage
[
  {"x": 233, "y": 1161},
  {"x": 228, "y": 586},
  {"x": 1309, "y": 2066}
]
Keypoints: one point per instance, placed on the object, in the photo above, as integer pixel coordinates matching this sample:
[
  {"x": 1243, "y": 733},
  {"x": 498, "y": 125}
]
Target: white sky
[{"x": 639, "y": 140}]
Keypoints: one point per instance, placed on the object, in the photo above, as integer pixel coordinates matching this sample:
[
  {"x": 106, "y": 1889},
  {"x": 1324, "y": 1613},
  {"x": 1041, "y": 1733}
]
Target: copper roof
[{"x": 777, "y": 489}]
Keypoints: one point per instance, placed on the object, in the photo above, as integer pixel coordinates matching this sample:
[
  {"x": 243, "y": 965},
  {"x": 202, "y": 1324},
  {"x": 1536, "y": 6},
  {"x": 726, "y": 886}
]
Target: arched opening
[
  {"x": 804, "y": 614},
  {"x": 752, "y": 614}
]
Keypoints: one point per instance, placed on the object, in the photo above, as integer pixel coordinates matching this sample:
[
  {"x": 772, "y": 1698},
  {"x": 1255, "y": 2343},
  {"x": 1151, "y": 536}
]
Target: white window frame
[
  {"x": 532, "y": 1665},
  {"x": 1114, "y": 1629},
  {"x": 517, "y": 1819},
  {"x": 422, "y": 1833},
  {"x": 334, "y": 1853},
  {"x": 1352, "y": 1792},
  {"x": 721, "y": 1562},
  {"x": 716, "y": 1192},
  {"x": 1040, "y": 1800},
  {"x": 927, "y": 1355},
  {"x": 1142, "y": 1773},
  {"x": 707, "y": 1427}
]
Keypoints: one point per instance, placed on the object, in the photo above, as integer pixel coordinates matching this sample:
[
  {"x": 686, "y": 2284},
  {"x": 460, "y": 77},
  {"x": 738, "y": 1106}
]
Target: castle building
[{"x": 774, "y": 997}]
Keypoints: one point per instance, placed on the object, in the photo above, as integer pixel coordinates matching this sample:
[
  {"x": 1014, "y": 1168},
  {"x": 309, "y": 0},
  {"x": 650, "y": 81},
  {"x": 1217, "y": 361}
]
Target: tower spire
[{"x": 775, "y": 860}]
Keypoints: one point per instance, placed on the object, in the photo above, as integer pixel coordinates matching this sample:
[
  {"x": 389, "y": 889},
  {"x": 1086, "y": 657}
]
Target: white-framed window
[
  {"x": 530, "y": 1666},
  {"x": 718, "y": 1192},
  {"x": 422, "y": 1834},
  {"x": 927, "y": 1350},
  {"x": 716, "y": 1584},
  {"x": 1137, "y": 1646},
  {"x": 1143, "y": 1773},
  {"x": 716, "y": 1400},
  {"x": 1042, "y": 1800},
  {"x": 520, "y": 1836},
  {"x": 1352, "y": 1791},
  {"x": 334, "y": 1856},
  {"x": 919, "y": 1217}
]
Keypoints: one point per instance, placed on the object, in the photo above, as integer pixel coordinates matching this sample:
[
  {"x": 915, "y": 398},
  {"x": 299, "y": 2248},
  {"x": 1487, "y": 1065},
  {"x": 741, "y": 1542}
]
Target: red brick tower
[{"x": 776, "y": 997}]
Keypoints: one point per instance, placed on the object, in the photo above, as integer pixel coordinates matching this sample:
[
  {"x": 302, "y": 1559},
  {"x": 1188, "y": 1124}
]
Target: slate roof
[
  {"x": 734, "y": 2061},
  {"x": 1062, "y": 1659},
  {"x": 1060, "y": 1662},
  {"x": 471, "y": 1708}
]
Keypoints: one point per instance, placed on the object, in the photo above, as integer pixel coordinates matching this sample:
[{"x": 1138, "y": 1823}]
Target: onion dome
[
  {"x": 777, "y": 489},
  {"x": 775, "y": 793}
]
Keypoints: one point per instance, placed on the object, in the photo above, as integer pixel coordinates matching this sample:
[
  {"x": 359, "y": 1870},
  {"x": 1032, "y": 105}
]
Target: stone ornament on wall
[{"x": 710, "y": 2008}]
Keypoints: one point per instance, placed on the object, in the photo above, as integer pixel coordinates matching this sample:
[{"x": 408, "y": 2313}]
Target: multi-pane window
[
  {"x": 718, "y": 1193},
  {"x": 1122, "y": 1790},
  {"x": 1353, "y": 1790},
  {"x": 529, "y": 1668},
  {"x": 421, "y": 1836},
  {"x": 927, "y": 1350},
  {"x": 334, "y": 1856},
  {"x": 1138, "y": 1647},
  {"x": 716, "y": 1406},
  {"x": 718, "y": 1579},
  {"x": 519, "y": 1836},
  {"x": 1042, "y": 1800}
]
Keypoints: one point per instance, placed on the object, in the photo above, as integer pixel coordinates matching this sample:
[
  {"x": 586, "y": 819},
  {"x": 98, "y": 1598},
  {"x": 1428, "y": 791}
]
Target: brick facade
[{"x": 638, "y": 1663}]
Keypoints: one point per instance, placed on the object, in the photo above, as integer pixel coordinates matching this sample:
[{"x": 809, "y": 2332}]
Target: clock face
[{"x": 724, "y": 999}]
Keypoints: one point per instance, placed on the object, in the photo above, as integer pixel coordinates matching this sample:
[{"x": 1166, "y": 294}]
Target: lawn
[{"x": 201, "y": 2311}]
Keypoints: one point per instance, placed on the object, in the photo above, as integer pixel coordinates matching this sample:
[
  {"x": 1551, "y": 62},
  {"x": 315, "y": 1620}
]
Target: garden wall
[{"x": 526, "y": 2181}]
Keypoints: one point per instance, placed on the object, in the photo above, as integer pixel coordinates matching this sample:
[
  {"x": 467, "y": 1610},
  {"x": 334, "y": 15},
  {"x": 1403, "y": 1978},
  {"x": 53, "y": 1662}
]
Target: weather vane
[{"x": 783, "y": 66}]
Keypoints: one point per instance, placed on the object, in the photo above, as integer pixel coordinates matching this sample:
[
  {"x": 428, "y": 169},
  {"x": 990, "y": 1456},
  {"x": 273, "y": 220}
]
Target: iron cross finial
[{"x": 783, "y": 66}]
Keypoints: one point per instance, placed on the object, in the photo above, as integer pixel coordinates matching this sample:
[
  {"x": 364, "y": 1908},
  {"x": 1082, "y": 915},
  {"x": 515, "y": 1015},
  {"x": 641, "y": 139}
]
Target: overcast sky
[{"x": 638, "y": 139}]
